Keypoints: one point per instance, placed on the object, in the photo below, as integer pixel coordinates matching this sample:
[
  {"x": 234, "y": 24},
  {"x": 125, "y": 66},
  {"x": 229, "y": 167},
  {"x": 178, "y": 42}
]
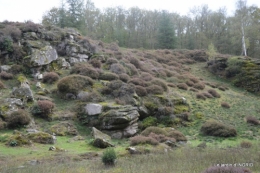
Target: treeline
[{"x": 139, "y": 28}]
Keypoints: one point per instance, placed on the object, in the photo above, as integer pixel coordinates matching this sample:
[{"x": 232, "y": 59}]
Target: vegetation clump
[
  {"x": 215, "y": 128},
  {"x": 43, "y": 108},
  {"x": 252, "y": 120},
  {"x": 140, "y": 139},
  {"x": 109, "y": 157},
  {"x": 2, "y": 86},
  {"x": 18, "y": 118},
  {"x": 6, "y": 76},
  {"x": 183, "y": 86},
  {"x": 85, "y": 70},
  {"x": 246, "y": 144},
  {"x": 214, "y": 93},
  {"x": 73, "y": 84},
  {"x": 50, "y": 77},
  {"x": 225, "y": 105},
  {"x": 219, "y": 169}
]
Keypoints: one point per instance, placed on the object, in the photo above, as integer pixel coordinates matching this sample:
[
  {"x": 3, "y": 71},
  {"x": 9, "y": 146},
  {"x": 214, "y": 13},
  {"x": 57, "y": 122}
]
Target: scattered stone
[
  {"x": 101, "y": 140},
  {"x": 93, "y": 109},
  {"x": 133, "y": 150},
  {"x": 52, "y": 148}
]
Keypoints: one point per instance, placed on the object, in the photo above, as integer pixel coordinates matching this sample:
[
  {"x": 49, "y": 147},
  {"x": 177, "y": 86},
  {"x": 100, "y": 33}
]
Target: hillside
[{"x": 56, "y": 85}]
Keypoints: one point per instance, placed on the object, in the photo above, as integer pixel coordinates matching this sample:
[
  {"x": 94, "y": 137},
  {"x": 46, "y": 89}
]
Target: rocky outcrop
[
  {"x": 43, "y": 56},
  {"x": 9, "y": 105},
  {"x": 24, "y": 93}
]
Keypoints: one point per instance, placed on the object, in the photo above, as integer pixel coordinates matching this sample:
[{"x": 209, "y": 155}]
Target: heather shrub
[
  {"x": 2, "y": 125},
  {"x": 124, "y": 77},
  {"x": 73, "y": 84},
  {"x": 146, "y": 76},
  {"x": 230, "y": 169},
  {"x": 93, "y": 96},
  {"x": 161, "y": 138},
  {"x": 108, "y": 76},
  {"x": 139, "y": 139},
  {"x": 154, "y": 89},
  {"x": 18, "y": 53},
  {"x": 117, "y": 68},
  {"x": 140, "y": 91},
  {"x": 18, "y": 118},
  {"x": 208, "y": 95},
  {"x": 193, "y": 89},
  {"x": 160, "y": 83},
  {"x": 95, "y": 63},
  {"x": 189, "y": 83},
  {"x": 43, "y": 108},
  {"x": 225, "y": 105},
  {"x": 199, "y": 85},
  {"x": 13, "y": 31},
  {"x": 193, "y": 79},
  {"x": 138, "y": 81},
  {"x": 252, "y": 120},
  {"x": 130, "y": 69},
  {"x": 135, "y": 62},
  {"x": 182, "y": 86},
  {"x": 29, "y": 26},
  {"x": 85, "y": 70},
  {"x": 50, "y": 77},
  {"x": 111, "y": 61},
  {"x": 171, "y": 85},
  {"x": 153, "y": 129},
  {"x": 176, "y": 135},
  {"x": 201, "y": 96},
  {"x": 214, "y": 93},
  {"x": 215, "y": 128},
  {"x": 109, "y": 157},
  {"x": 246, "y": 144},
  {"x": 6, "y": 76}
]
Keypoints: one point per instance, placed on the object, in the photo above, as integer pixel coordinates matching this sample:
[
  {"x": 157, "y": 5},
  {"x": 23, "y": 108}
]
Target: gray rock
[
  {"x": 43, "y": 56},
  {"x": 93, "y": 109},
  {"x": 5, "y": 67},
  {"x": 10, "y": 105},
  {"x": 143, "y": 111},
  {"x": 130, "y": 130},
  {"x": 23, "y": 93},
  {"x": 101, "y": 140},
  {"x": 73, "y": 60}
]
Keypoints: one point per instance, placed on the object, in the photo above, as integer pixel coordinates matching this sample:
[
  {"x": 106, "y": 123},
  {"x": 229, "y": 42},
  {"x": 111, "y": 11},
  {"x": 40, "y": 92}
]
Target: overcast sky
[{"x": 22, "y": 10}]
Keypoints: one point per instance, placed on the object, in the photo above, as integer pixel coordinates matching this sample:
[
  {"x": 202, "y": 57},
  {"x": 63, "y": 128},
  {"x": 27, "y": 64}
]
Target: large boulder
[
  {"x": 43, "y": 56},
  {"x": 101, "y": 140},
  {"x": 41, "y": 137},
  {"x": 93, "y": 109},
  {"x": 9, "y": 105},
  {"x": 63, "y": 129},
  {"x": 24, "y": 93}
]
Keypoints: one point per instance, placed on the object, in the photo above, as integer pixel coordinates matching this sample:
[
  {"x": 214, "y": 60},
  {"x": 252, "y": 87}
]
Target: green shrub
[
  {"x": 109, "y": 157},
  {"x": 73, "y": 84},
  {"x": 149, "y": 121},
  {"x": 50, "y": 77},
  {"x": 18, "y": 118},
  {"x": 215, "y": 128}
]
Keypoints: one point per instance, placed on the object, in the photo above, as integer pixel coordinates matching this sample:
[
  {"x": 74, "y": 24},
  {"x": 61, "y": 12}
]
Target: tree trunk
[{"x": 243, "y": 41}]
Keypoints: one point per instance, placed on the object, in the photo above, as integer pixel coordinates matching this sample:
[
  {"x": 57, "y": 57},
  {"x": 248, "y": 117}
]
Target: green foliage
[
  {"x": 149, "y": 121},
  {"x": 18, "y": 118},
  {"x": 211, "y": 52},
  {"x": 166, "y": 35},
  {"x": 109, "y": 156},
  {"x": 6, "y": 44}
]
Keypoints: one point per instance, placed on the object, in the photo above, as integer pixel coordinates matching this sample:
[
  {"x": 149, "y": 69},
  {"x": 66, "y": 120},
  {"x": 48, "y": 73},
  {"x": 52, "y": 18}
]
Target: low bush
[
  {"x": 219, "y": 169},
  {"x": 199, "y": 85},
  {"x": 161, "y": 138},
  {"x": 43, "y": 108},
  {"x": 108, "y": 76},
  {"x": 6, "y": 76},
  {"x": 252, "y": 120},
  {"x": 225, "y": 105},
  {"x": 215, "y": 128},
  {"x": 85, "y": 70},
  {"x": 15, "y": 69},
  {"x": 149, "y": 121},
  {"x": 193, "y": 89},
  {"x": 146, "y": 76},
  {"x": 93, "y": 96},
  {"x": 208, "y": 95},
  {"x": 182, "y": 86},
  {"x": 117, "y": 68},
  {"x": 176, "y": 135},
  {"x": 246, "y": 144},
  {"x": 160, "y": 83},
  {"x": 171, "y": 85},
  {"x": 50, "y": 77},
  {"x": 153, "y": 129},
  {"x": 154, "y": 89},
  {"x": 138, "y": 81},
  {"x": 201, "y": 96},
  {"x": 124, "y": 77},
  {"x": 18, "y": 118},
  {"x": 140, "y": 91},
  {"x": 214, "y": 93},
  {"x": 135, "y": 62},
  {"x": 111, "y": 61},
  {"x": 189, "y": 83},
  {"x": 95, "y": 63},
  {"x": 139, "y": 139},
  {"x": 73, "y": 84},
  {"x": 109, "y": 157}
]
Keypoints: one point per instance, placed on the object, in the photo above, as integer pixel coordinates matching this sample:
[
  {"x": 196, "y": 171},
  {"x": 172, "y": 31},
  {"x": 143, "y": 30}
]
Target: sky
[{"x": 24, "y": 10}]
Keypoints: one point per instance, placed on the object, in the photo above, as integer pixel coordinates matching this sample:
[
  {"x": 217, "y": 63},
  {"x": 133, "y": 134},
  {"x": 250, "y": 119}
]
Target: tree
[
  {"x": 76, "y": 13},
  {"x": 166, "y": 37},
  {"x": 212, "y": 53}
]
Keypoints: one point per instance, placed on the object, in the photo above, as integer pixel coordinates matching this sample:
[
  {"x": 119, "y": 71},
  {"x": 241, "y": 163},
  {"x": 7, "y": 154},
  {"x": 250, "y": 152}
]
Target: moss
[
  {"x": 21, "y": 78},
  {"x": 178, "y": 109},
  {"x": 199, "y": 115}
]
